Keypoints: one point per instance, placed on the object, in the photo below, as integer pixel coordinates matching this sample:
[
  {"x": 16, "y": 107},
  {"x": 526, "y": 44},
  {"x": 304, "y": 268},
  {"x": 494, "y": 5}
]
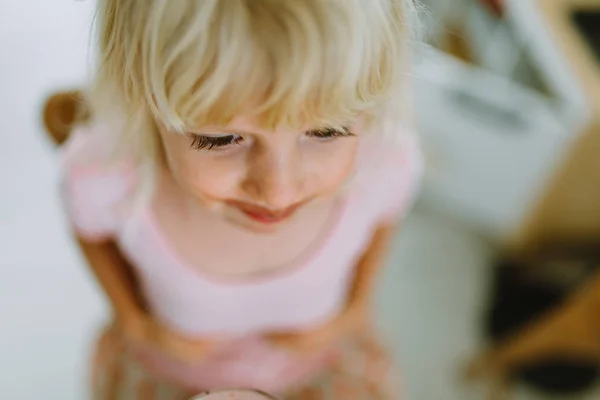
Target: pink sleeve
[
  {"x": 399, "y": 181},
  {"x": 93, "y": 190}
]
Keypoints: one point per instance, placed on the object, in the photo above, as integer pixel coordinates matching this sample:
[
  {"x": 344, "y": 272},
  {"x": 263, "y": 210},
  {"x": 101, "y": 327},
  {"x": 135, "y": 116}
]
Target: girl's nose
[{"x": 274, "y": 179}]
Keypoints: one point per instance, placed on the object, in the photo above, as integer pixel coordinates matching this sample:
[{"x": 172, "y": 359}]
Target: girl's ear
[{"x": 62, "y": 111}]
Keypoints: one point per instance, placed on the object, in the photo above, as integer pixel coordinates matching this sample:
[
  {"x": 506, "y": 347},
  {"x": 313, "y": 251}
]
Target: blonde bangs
[{"x": 285, "y": 63}]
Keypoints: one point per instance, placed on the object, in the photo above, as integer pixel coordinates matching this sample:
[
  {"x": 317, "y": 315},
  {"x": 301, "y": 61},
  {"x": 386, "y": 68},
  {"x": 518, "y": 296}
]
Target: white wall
[{"x": 49, "y": 310}]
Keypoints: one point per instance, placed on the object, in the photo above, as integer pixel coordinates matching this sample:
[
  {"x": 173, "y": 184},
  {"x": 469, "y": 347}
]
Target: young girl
[{"x": 239, "y": 172}]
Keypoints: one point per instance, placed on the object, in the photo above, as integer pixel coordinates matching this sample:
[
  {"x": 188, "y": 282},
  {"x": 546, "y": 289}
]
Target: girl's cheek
[
  {"x": 206, "y": 177},
  {"x": 337, "y": 163}
]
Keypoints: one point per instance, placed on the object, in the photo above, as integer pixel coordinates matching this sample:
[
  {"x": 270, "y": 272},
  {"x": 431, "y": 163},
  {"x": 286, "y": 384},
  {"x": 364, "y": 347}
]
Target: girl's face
[{"x": 255, "y": 178}]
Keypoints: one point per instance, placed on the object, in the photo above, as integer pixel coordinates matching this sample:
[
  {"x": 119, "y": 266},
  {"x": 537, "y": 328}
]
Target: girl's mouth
[{"x": 264, "y": 215}]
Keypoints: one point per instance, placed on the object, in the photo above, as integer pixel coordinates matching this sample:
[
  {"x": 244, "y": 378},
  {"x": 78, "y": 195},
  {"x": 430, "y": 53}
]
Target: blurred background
[{"x": 504, "y": 241}]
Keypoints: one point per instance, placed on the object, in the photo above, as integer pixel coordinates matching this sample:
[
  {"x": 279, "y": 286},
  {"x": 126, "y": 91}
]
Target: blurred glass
[{"x": 234, "y": 395}]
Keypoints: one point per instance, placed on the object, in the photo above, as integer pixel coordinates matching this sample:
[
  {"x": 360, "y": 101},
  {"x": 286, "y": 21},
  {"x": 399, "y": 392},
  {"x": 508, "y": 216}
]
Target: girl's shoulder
[{"x": 96, "y": 184}]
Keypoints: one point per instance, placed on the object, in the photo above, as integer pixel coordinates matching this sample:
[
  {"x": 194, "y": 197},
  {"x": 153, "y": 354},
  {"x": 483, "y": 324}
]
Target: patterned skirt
[{"x": 362, "y": 372}]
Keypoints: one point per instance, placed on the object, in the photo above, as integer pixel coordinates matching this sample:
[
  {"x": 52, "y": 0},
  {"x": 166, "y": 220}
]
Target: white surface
[
  {"x": 485, "y": 174},
  {"x": 490, "y": 39},
  {"x": 49, "y": 308},
  {"x": 480, "y": 170},
  {"x": 535, "y": 36}
]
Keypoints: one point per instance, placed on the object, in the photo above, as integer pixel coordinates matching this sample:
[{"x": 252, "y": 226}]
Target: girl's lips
[
  {"x": 263, "y": 215},
  {"x": 265, "y": 218}
]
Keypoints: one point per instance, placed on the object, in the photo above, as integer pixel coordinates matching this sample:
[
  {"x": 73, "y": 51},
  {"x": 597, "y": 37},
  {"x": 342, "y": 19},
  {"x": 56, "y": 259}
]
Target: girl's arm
[
  {"x": 369, "y": 266},
  {"x": 62, "y": 112},
  {"x": 116, "y": 278},
  {"x": 355, "y": 316}
]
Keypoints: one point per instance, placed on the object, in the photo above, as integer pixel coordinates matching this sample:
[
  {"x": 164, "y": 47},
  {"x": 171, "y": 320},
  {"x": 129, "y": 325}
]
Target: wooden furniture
[
  {"x": 571, "y": 331},
  {"x": 569, "y": 208},
  {"x": 568, "y": 211}
]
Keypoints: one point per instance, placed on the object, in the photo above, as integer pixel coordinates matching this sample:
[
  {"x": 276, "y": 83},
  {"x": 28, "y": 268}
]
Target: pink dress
[{"x": 99, "y": 198}]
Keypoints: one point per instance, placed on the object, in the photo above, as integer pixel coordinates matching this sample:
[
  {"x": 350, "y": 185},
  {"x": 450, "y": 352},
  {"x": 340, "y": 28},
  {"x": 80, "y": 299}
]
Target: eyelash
[
  {"x": 200, "y": 142},
  {"x": 330, "y": 133}
]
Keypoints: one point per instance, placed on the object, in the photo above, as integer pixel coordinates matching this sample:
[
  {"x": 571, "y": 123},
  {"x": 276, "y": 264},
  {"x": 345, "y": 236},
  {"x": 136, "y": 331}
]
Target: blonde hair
[{"x": 293, "y": 63}]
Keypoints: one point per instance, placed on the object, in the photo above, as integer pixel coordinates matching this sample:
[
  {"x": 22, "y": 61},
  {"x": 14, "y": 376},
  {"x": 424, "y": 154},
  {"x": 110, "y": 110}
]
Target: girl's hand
[
  {"x": 355, "y": 317},
  {"x": 134, "y": 323},
  {"x": 143, "y": 330},
  {"x": 351, "y": 321}
]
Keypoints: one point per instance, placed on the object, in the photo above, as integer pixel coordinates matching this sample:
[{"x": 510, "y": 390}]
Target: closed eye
[
  {"x": 200, "y": 142},
  {"x": 327, "y": 134}
]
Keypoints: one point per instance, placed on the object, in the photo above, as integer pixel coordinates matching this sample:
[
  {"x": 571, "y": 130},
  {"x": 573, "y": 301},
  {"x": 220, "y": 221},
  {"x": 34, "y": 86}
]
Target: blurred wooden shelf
[{"x": 569, "y": 208}]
